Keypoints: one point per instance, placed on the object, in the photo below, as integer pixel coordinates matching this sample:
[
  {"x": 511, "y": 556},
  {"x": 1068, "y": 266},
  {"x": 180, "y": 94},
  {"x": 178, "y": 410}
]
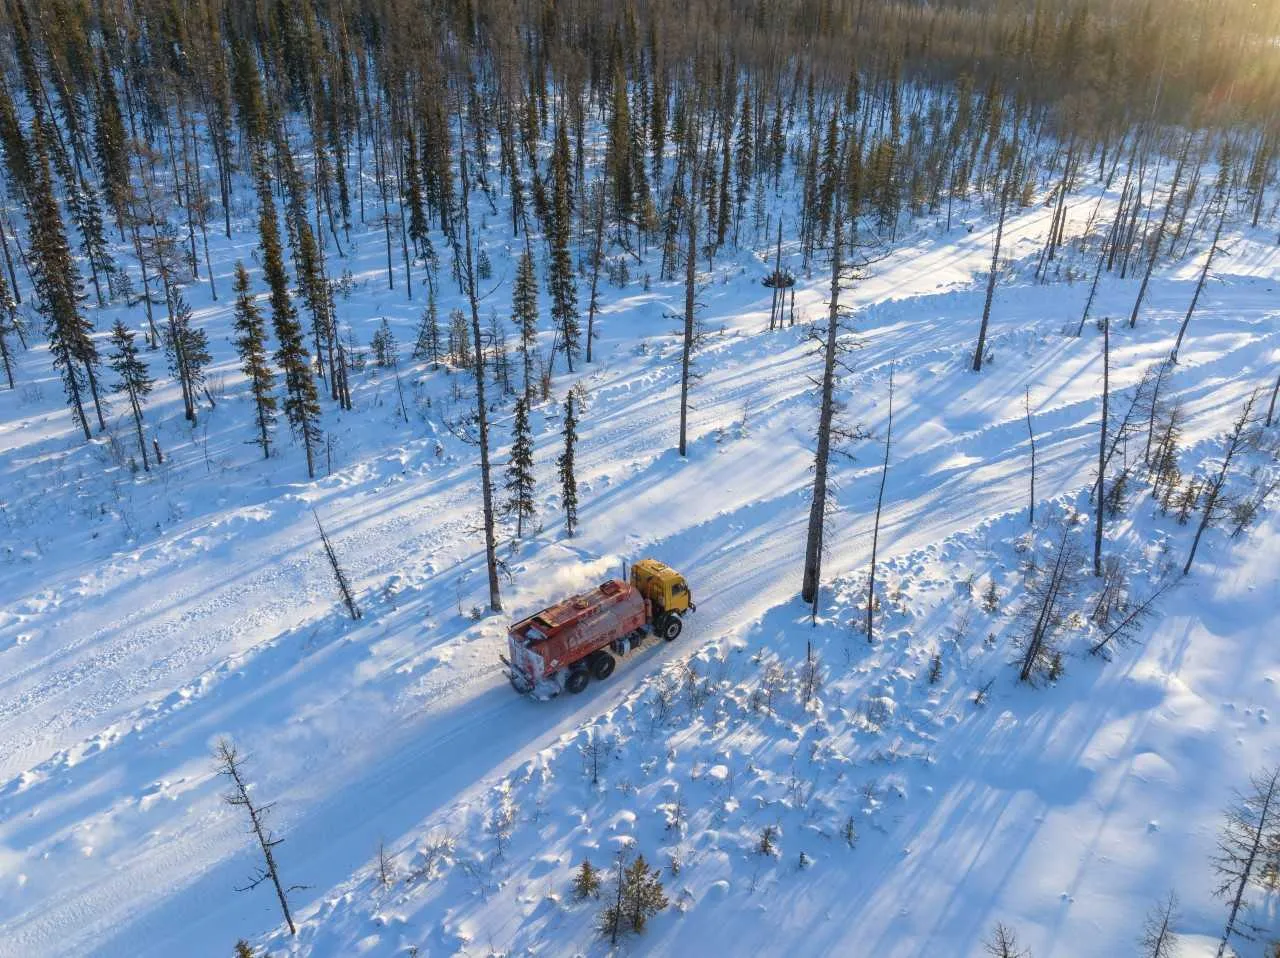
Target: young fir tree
[
  {"x": 251, "y": 344},
  {"x": 57, "y": 286},
  {"x": 568, "y": 483},
  {"x": 427, "y": 344},
  {"x": 188, "y": 348},
  {"x": 643, "y": 896},
  {"x": 412, "y": 196},
  {"x": 301, "y": 406},
  {"x": 134, "y": 380},
  {"x": 384, "y": 345},
  {"x": 524, "y": 308},
  {"x": 586, "y": 882},
  {"x": 520, "y": 482},
  {"x": 560, "y": 280}
]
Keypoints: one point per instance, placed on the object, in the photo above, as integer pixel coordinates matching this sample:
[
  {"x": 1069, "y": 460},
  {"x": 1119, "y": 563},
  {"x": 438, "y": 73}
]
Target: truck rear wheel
[
  {"x": 601, "y": 664},
  {"x": 577, "y": 681},
  {"x": 669, "y": 626}
]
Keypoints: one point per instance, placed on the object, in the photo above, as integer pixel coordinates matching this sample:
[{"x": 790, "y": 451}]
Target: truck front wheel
[
  {"x": 669, "y": 626},
  {"x": 602, "y": 664},
  {"x": 577, "y": 681}
]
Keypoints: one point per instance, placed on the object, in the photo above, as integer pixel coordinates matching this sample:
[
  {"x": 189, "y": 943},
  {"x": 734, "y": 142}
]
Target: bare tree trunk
[
  {"x": 1271, "y": 408},
  {"x": 1102, "y": 447},
  {"x": 482, "y": 412},
  {"x": 995, "y": 264},
  {"x": 1160, "y": 231},
  {"x": 775, "y": 310},
  {"x": 875, "y": 529},
  {"x": 1204, "y": 274},
  {"x": 818, "y": 507},
  {"x": 1214, "y": 491},
  {"x": 1031, "y": 516}
]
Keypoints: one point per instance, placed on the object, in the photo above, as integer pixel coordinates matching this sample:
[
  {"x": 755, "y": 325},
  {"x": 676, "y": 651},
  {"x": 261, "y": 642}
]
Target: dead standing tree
[
  {"x": 338, "y": 574},
  {"x": 875, "y": 529},
  {"x": 230, "y": 765},
  {"x": 1214, "y": 501},
  {"x": 841, "y": 271},
  {"x": 482, "y": 412},
  {"x": 1102, "y": 448},
  {"x": 1012, "y": 176}
]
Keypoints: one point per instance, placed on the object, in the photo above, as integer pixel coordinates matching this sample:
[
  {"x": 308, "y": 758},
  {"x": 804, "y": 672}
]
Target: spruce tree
[
  {"x": 384, "y": 345},
  {"x": 301, "y": 406},
  {"x": 642, "y": 897},
  {"x": 560, "y": 281},
  {"x": 134, "y": 380},
  {"x": 568, "y": 483},
  {"x": 520, "y": 482},
  {"x": 110, "y": 144},
  {"x": 14, "y": 150},
  {"x": 57, "y": 286},
  {"x": 586, "y": 882},
  {"x": 427, "y": 344},
  {"x": 524, "y": 308},
  {"x": 251, "y": 345},
  {"x": 188, "y": 348},
  {"x": 413, "y": 194}
]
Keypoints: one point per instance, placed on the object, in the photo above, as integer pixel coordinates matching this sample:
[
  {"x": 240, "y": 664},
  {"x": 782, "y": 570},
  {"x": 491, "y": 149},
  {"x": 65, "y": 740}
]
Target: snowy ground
[{"x": 145, "y": 617}]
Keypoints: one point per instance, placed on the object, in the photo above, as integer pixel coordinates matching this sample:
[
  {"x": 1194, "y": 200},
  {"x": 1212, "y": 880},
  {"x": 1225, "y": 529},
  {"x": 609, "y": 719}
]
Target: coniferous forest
[{"x": 935, "y": 345}]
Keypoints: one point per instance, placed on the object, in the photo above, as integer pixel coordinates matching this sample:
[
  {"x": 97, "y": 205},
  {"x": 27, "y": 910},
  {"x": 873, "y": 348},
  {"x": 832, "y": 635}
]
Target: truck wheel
[
  {"x": 602, "y": 664},
  {"x": 670, "y": 626},
  {"x": 577, "y": 681}
]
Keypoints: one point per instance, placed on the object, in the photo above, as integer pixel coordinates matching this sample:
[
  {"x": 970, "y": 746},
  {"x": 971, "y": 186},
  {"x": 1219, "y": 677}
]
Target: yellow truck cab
[{"x": 668, "y": 594}]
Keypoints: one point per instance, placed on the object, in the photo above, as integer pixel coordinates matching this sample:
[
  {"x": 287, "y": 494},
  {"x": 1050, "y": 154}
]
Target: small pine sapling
[
  {"x": 935, "y": 668},
  {"x": 849, "y": 832},
  {"x": 586, "y": 881},
  {"x": 766, "y": 845},
  {"x": 991, "y": 597}
]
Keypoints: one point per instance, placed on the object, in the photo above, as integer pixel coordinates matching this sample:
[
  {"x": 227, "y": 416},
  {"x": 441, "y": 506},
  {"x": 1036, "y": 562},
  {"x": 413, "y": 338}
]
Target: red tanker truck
[{"x": 565, "y": 645}]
